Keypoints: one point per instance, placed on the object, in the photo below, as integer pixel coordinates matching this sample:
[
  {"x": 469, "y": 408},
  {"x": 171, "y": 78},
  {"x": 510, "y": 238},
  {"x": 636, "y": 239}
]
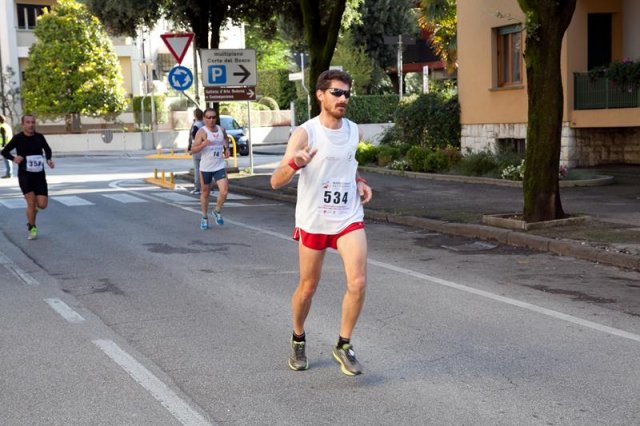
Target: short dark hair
[
  {"x": 198, "y": 114},
  {"x": 27, "y": 115},
  {"x": 324, "y": 79}
]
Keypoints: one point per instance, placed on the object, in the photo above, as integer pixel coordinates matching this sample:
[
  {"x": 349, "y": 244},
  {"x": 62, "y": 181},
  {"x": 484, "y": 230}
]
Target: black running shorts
[{"x": 33, "y": 182}]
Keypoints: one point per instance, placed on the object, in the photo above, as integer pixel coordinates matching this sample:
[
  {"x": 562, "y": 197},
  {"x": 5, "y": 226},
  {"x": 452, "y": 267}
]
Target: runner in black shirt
[{"x": 30, "y": 147}]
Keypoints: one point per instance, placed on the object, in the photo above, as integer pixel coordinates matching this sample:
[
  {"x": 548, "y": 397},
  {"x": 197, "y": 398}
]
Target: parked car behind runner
[{"x": 237, "y": 131}]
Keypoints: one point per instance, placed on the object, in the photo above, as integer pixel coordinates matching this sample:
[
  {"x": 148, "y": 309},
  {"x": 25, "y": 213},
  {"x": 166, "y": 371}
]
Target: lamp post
[{"x": 400, "y": 40}]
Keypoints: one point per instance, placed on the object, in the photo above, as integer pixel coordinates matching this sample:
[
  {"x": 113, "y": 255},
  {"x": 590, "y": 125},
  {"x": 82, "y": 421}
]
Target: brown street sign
[{"x": 226, "y": 93}]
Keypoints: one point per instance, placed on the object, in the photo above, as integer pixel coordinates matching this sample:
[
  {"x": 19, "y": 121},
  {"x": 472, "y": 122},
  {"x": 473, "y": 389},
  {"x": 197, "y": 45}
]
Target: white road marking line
[
  {"x": 64, "y": 310},
  {"x": 16, "y": 271},
  {"x": 534, "y": 308},
  {"x": 72, "y": 201},
  {"x": 175, "y": 197},
  {"x": 125, "y": 198},
  {"x": 160, "y": 391},
  {"x": 510, "y": 301},
  {"x": 15, "y": 203}
]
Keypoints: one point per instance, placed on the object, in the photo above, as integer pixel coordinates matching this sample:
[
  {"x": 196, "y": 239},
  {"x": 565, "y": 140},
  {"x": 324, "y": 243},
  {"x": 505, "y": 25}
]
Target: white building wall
[{"x": 8, "y": 39}]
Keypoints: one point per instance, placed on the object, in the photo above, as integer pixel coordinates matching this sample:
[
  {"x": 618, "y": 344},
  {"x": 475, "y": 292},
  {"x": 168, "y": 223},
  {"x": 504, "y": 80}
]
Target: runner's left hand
[{"x": 365, "y": 192}]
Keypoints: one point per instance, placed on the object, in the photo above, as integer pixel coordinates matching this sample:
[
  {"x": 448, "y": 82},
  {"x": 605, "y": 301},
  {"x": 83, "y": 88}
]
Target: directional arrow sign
[
  {"x": 178, "y": 44},
  {"x": 217, "y": 94},
  {"x": 228, "y": 67}
]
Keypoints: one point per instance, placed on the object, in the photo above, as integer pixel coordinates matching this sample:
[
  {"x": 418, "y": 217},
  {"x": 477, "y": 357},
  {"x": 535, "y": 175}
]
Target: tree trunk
[
  {"x": 321, "y": 33},
  {"x": 547, "y": 21}
]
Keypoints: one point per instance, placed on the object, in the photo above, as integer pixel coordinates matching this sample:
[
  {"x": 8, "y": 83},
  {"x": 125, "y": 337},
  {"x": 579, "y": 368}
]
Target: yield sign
[{"x": 178, "y": 44}]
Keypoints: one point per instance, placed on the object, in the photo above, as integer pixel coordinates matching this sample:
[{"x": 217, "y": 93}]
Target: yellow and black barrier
[
  {"x": 162, "y": 181},
  {"x": 170, "y": 153}
]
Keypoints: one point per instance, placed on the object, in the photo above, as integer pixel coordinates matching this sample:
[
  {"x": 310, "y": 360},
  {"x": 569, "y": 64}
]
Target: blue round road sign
[{"x": 180, "y": 78}]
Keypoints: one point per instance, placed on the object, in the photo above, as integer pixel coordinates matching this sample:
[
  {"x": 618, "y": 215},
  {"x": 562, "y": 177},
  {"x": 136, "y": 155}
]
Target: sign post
[{"x": 230, "y": 75}]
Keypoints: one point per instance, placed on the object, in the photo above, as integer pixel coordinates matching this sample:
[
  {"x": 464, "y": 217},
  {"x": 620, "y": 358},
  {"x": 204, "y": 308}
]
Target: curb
[
  {"x": 599, "y": 180},
  {"x": 484, "y": 232}
]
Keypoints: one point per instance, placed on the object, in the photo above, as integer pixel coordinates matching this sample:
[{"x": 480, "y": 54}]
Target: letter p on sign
[{"x": 217, "y": 74}]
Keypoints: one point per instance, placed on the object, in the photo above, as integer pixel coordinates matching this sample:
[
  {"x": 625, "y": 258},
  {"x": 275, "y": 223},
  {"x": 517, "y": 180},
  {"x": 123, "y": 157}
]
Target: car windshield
[{"x": 229, "y": 123}]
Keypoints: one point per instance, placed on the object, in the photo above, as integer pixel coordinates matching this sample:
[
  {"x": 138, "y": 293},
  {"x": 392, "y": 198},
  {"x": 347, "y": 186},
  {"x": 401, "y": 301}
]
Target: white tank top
[
  {"x": 212, "y": 156},
  {"x": 328, "y": 199}
]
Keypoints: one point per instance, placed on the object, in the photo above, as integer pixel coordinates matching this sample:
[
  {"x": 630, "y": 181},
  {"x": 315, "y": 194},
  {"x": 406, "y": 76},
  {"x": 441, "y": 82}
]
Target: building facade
[
  {"x": 601, "y": 119},
  {"x": 17, "y": 22}
]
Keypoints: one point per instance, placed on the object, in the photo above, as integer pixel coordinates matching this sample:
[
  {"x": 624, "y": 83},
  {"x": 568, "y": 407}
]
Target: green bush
[
  {"x": 276, "y": 85},
  {"x": 387, "y": 154},
  {"x": 429, "y": 120},
  {"x": 454, "y": 156},
  {"x": 366, "y": 153},
  {"x": 416, "y": 158},
  {"x": 158, "y": 101},
  {"x": 436, "y": 161},
  {"x": 363, "y": 109},
  {"x": 391, "y": 137},
  {"x": 481, "y": 163}
]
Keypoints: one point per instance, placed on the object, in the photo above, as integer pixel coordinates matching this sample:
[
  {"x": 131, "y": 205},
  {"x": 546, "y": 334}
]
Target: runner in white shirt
[
  {"x": 329, "y": 213},
  {"x": 212, "y": 143}
]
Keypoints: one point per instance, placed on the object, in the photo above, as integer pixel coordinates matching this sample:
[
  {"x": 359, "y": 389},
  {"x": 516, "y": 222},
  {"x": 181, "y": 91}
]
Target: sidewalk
[{"x": 610, "y": 236}]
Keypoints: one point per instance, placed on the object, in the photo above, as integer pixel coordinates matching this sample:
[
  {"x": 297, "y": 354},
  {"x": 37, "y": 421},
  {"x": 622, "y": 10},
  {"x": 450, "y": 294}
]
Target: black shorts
[{"x": 33, "y": 182}]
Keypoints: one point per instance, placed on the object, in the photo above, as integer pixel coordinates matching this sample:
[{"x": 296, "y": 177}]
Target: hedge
[{"x": 363, "y": 109}]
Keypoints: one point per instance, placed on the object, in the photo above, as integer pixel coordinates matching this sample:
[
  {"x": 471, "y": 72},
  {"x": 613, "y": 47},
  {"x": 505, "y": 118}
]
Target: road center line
[
  {"x": 510, "y": 301},
  {"x": 161, "y": 392}
]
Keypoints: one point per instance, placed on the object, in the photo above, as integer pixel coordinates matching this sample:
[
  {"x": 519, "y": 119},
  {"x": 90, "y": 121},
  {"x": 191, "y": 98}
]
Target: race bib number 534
[{"x": 336, "y": 198}]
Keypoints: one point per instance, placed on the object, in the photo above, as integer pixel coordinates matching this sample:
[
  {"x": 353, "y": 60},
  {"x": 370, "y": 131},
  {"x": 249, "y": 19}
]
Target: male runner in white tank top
[
  {"x": 329, "y": 213},
  {"x": 212, "y": 143}
]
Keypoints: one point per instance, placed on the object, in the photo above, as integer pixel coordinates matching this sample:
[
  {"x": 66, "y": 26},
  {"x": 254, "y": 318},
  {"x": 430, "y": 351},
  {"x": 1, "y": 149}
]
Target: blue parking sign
[{"x": 217, "y": 74}]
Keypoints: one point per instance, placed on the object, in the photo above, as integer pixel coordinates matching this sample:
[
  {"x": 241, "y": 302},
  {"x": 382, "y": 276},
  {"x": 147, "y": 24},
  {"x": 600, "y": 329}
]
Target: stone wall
[
  {"x": 607, "y": 146},
  {"x": 581, "y": 147},
  {"x": 480, "y": 137}
]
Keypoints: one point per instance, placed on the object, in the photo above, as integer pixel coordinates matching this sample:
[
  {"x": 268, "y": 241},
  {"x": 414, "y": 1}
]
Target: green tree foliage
[
  {"x": 321, "y": 23},
  {"x": 380, "y": 18},
  {"x": 73, "y": 68},
  {"x": 272, "y": 52},
  {"x": 546, "y": 23},
  {"x": 354, "y": 60},
  {"x": 204, "y": 18},
  {"x": 440, "y": 18}
]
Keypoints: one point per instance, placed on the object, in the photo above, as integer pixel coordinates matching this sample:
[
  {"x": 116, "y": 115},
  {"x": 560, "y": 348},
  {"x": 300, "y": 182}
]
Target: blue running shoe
[
  {"x": 218, "y": 217},
  {"x": 204, "y": 223}
]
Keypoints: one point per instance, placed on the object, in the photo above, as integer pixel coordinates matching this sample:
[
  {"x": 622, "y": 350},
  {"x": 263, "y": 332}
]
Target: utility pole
[{"x": 400, "y": 40}]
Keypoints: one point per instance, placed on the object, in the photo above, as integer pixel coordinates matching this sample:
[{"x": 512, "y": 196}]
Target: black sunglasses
[
  {"x": 339, "y": 92},
  {"x": 210, "y": 116}
]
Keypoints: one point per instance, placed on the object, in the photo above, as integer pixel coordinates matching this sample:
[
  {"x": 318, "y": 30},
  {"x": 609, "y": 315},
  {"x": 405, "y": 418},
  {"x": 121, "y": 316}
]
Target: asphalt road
[{"x": 124, "y": 312}]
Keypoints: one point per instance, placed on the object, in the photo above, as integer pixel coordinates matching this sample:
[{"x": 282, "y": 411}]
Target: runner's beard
[{"x": 337, "y": 112}]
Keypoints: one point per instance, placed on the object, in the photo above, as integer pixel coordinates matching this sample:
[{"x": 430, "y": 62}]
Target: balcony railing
[{"x": 601, "y": 93}]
